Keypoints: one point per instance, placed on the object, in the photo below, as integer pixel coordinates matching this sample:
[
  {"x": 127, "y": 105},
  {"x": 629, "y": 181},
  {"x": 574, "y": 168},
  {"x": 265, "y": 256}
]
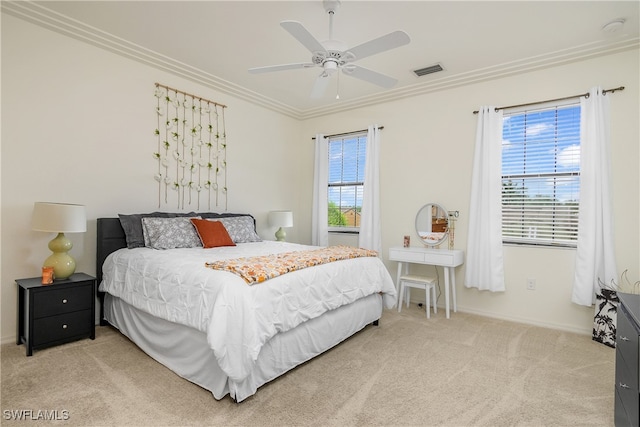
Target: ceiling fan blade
[
  {"x": 381, "y": 44},
  {"x": 270, "y": 68},
  {"x": 320, "y": 86},
  {"x": 301, "y": 34},
  {"x": 369, "y": 76}
]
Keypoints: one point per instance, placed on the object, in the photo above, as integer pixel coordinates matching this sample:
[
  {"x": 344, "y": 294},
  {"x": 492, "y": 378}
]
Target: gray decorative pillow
[
  {"x": 241, "y": 229},
  {"x": 170, "y": 233}
]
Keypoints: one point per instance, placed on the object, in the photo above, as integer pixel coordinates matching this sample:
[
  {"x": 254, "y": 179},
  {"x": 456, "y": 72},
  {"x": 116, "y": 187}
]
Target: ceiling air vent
[{"x": 428, "y": 70}]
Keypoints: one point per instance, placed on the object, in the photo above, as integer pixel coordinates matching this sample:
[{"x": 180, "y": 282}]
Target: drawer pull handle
[
  {"x": 65, "y": 327},
  {"x": 624, "y": 338},
  {"x": 64, "y": 301},
  {"x": 624, "y": 386}
]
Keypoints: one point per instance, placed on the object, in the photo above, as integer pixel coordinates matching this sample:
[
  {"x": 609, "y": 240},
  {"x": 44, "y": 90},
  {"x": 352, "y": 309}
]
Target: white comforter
[{"x": 238, "y": 319}]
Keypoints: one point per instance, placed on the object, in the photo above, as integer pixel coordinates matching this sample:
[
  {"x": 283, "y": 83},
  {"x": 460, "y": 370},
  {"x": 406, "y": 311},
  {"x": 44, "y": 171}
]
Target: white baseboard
[
  {"x": 526, "y": 321},
  {"x": 8, "y": 340},
  {"x": 534, "y": 322}
]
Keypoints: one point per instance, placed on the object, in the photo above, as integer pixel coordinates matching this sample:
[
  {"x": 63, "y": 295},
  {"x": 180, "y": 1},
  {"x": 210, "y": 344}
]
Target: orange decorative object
[{"x": 47, "y": 275}]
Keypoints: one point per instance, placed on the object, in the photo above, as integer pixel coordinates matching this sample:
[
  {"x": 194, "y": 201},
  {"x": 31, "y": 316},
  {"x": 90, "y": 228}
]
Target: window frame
[
  {"x": 341, "y": 138},
  {"x": 570, "y": 243}
]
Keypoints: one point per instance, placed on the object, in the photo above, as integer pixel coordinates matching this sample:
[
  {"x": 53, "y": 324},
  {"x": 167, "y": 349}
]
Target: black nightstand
[{"x": 54, "y": 314}]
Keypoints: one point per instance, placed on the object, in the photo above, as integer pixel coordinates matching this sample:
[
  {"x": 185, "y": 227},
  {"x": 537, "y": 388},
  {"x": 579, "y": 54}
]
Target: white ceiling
[{"x": 216, "y": 42}]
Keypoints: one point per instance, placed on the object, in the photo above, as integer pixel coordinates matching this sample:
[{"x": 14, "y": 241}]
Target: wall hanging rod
[
  {"x": 555, "y": 100},
  {"x": 191, "y": 95},
  {"x": 347, "y": 133}
]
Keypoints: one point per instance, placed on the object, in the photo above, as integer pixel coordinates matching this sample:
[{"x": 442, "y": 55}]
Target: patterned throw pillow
[
  {"x": 241, "y": 229},
  {"x": 170, "y": 233}
]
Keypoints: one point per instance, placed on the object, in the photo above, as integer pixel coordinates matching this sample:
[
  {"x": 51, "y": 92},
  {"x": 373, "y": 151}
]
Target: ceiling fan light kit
[{"x": 333, "y": 55}]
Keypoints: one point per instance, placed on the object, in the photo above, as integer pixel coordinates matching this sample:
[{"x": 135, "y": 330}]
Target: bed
[{"x": 213, "y": 328}]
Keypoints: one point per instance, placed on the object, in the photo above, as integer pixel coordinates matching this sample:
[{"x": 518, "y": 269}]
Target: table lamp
[
  {"x": 59, "y": 218},
  {"x": 281, "y": 219}
]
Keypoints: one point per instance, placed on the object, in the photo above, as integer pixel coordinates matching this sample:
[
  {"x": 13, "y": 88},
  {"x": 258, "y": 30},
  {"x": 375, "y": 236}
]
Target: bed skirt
[{"x": 185, "y": 350}]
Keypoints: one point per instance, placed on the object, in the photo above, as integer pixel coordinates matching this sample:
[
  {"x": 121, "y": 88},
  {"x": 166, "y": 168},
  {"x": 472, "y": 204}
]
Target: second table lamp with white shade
[{"x": 281, "y": 219}]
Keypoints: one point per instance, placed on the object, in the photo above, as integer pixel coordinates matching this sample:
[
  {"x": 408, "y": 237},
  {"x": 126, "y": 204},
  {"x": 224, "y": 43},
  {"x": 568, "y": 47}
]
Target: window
[
  {"x": 347, "y": 154},
  {"x": 541, "y": 176}
]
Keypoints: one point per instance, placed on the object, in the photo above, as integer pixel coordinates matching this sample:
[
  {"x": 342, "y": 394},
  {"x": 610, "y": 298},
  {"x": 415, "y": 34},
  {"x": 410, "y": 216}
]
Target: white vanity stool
[{"x": 420, "y": 282}]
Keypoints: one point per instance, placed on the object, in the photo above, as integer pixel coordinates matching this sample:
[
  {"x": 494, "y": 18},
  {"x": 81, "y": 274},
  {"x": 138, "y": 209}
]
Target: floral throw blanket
[{"x": 260, "y": 268}]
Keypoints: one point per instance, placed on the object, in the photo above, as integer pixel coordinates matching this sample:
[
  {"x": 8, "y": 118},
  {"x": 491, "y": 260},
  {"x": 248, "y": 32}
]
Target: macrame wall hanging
[{"x": 191, "y": 150}]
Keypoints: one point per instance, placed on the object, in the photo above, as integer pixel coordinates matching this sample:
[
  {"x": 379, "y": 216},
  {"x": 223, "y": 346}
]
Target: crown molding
[
  {"x": 44, "y": 17},
  {"x": 552, "y": 59}
]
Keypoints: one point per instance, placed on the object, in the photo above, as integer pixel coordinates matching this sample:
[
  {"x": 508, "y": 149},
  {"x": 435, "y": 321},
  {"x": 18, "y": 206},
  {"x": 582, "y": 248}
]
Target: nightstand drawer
[
  {"x": 64, "y": 300},
  {"x": 62, "y": 327}
]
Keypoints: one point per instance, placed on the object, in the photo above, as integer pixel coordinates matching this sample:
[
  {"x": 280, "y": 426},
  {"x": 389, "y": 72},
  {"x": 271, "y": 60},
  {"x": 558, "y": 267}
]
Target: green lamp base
[
  {"x": 63, "y": 264},
  {"x": 280, "y": 235}
]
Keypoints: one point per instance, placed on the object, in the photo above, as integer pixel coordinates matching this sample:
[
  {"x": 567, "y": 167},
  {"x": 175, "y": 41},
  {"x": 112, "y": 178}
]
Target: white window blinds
[
  {"x": 347, "y": 154},
  {"x": 541, "y": 176}
]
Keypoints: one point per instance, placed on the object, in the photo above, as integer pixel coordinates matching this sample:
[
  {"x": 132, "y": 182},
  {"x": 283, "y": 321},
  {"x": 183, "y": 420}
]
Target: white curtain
[
  {"x": 484, "y": 263},
  {"x": 370, "y": 236},
  {"x": 595, "y": 258},
  {"x": 320, "y": 214}
]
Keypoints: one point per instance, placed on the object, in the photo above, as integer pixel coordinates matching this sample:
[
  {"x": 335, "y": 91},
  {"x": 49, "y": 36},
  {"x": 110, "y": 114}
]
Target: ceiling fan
[{"x": 333, "y": 55}]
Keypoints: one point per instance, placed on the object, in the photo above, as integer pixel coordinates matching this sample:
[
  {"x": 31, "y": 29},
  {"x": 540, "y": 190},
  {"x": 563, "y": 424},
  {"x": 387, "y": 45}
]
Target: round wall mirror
[{"x": 432, "y": 224}]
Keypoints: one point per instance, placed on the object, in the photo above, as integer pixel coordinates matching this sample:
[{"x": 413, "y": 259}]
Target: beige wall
[
  {"x": 427, "y": 154},
  {"x": 77, "y": 126}
]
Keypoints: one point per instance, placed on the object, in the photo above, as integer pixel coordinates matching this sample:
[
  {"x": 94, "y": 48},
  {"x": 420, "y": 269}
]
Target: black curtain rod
[
  {"x": 347, "y": 133},
  {"x": 555, "y": 100}
]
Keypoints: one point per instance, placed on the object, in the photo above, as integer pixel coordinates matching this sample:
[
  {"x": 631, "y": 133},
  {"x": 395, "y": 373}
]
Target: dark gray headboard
[{"x": 110, "y": 238}]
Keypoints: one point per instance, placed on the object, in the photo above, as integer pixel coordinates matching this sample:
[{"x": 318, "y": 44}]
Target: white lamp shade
[
  {"x": 281, "y": 218},
  {"x": 59, "y": 218}
]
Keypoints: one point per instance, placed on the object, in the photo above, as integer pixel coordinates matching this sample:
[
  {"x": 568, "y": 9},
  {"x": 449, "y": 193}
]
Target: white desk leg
[
  {"x": 453, "y": 288},
  {"x": 398, "y": 277},
  {"x": 446, "y": 291}
]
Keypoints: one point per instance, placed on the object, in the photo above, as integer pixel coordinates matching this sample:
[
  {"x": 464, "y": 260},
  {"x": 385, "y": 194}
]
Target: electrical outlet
[{"x": 531, "y": 284}]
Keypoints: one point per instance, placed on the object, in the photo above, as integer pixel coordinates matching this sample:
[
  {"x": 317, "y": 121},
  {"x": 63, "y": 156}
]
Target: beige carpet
[{"x": 465, "y": 371}]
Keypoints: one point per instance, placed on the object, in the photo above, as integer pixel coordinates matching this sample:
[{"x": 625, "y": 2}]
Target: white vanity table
[{"x": 449, "y": 259}]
